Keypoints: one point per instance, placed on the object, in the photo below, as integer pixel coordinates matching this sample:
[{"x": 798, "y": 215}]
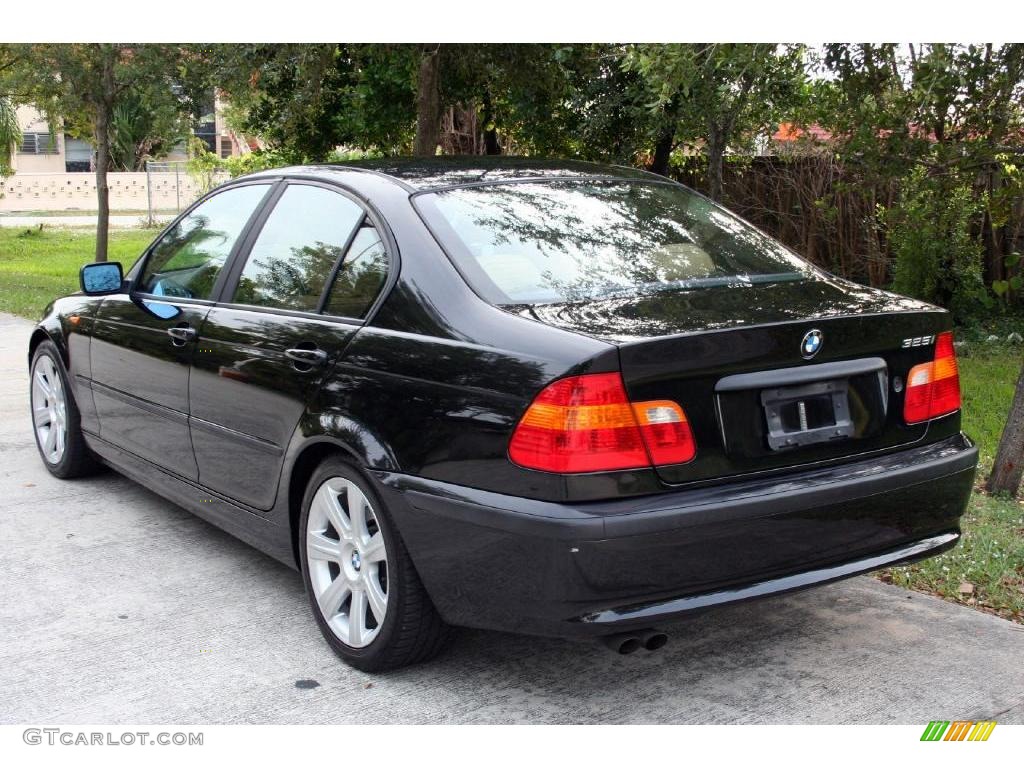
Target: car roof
[{"x": 425, "y": 173}]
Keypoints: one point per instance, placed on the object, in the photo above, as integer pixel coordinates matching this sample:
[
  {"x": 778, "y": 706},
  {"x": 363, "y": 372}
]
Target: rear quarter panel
[{"x": 435, "y": 382}]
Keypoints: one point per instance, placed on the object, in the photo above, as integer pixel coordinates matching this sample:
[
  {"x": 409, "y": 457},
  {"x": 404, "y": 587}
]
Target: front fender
[
  {"x": 67, "y": 322},
  {"x": 49, "y": 328},
  {"x": 63, "y": 320}
]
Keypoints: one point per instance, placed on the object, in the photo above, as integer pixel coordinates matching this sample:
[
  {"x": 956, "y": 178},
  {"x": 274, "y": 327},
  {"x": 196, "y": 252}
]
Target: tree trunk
[
  {"x": 102, "y": 190},
  {"x": 716, "y": 155},
  {"x": 1009, "y": 464},
  {"x": 428, "y": 104},
  {"x": 662, "y": 152},
  {"x": 491, "y": 144},
  {"x": 104, "y": 109},
  {"x": 666, "y": 139}
]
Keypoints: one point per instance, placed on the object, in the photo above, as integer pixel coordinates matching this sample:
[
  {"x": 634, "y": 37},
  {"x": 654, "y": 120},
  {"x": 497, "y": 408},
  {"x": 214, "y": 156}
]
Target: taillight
[
  {"x": 587, "y": 424},
  {"x": 665, "y": 431},
  {"x": 933, "y": 389}
]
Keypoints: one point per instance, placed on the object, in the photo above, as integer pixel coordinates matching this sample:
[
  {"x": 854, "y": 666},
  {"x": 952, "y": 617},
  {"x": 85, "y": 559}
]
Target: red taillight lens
[
  {"x": 587, "y": 424},
  {"x": 933, "y": 389},
  {"x": 665, "y": 431}
]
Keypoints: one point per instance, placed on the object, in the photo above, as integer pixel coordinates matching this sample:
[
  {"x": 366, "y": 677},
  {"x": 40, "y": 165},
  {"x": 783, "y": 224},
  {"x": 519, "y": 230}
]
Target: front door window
[{"x": 187, "y": 260}]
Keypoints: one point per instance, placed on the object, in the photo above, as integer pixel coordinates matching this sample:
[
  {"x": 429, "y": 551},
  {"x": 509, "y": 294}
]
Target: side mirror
[{"x": 101, "y": 278}]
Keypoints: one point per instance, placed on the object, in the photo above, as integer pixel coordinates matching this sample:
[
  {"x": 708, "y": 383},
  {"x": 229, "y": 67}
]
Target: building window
[
  {"x": 77, "y": 155},
  {"x": 206, "y": 131},
  {"x": 38, "y": 144}
]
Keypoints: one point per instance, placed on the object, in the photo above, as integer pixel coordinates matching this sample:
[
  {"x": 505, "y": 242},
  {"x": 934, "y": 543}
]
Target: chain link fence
[{"x": 170, "y": 188}]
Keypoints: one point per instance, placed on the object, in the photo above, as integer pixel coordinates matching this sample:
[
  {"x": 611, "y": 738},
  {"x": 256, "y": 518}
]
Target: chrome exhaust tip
[
  {"x": 653, "y": 640},
  {"x": 624, "y": 644}
]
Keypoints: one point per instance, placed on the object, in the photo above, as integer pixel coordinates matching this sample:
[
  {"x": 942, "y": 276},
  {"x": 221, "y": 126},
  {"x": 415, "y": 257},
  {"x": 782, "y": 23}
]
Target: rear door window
[
  {"x": 188, "y": 258},
  {"x": 295, "y": 253},
  {"x": 361, "y": 276}
]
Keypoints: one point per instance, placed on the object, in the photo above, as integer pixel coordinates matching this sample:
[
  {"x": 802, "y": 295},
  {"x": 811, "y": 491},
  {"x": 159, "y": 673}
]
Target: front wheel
[
  {"x": 364, "y": 591},
  {"x": 55, "y": 418}
]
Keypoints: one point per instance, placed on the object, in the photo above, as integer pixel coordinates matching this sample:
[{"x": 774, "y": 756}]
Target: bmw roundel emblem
[{"x": 811, "y": 343}]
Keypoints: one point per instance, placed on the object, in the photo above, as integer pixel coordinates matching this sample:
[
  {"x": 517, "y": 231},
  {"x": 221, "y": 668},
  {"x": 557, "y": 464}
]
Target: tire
[
  {"x": 346, "y": 574},
  {"x": 55, "y": 415}
]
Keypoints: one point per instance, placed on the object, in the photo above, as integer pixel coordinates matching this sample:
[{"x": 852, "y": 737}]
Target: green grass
[
  {"x": 140, "y": 212},
  {"x": 39, "y": 265},
  {"x": 990, "y": 556},
  {"x": 988, "y": 375},
  {"x": 36, "y": 266}
]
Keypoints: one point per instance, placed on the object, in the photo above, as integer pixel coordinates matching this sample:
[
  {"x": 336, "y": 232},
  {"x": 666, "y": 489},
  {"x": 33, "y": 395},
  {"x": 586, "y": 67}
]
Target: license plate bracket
[{"x": 807, "y": 414}]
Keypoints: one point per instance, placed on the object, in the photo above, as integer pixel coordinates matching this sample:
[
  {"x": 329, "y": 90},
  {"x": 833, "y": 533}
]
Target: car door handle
[
  {"x": 306, "y": 357},
  {"x": 181, "y": 334}
]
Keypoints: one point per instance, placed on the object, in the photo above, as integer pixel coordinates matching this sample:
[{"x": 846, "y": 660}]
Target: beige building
[
  {"x": 56, "y": 173},
  {"x": 41, "y": 151}
]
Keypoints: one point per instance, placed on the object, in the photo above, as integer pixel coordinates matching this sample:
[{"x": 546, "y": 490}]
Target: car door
[
  {"x": 143, "y": 342},
  {"x": 296, "y": 295}
]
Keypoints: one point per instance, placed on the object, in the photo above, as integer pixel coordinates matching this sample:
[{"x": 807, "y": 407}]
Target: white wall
[{"x": 77, "y": 191}]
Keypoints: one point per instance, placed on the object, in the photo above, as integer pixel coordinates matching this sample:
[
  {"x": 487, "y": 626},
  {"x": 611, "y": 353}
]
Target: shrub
[{"x": 937, "y": 258}]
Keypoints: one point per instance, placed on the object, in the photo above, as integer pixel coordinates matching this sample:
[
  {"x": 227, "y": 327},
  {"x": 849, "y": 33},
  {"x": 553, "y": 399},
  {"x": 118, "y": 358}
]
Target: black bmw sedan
[{"x": 543, "y": 397}]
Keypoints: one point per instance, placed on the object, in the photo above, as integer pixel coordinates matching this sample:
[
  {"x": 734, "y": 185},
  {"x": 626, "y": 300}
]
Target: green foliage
[
  {"x": 260, "y": 160},
  {"x": 203, "y": 165},
  {"x": 206, "y": 167},
  {"x": 737, "y": 88},
  {"x": 718, "y": 95},
  {"x": 145, "y": 126},
  {"x": 1009, "y": 290},
  {"x": 942, "y": 125},
  {"x": 136, "y": 89},
  {"x": 10, "y": 134},
  {"x": 77, "y": 82},
  {"x": 305, "y": 100},
  {"x": 588, "y": 106},
  {"x": 937, "y": 257}
]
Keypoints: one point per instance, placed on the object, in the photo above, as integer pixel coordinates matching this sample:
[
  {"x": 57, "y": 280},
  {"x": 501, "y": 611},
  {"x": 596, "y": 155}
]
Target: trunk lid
[{"x": 733, "y": 358}]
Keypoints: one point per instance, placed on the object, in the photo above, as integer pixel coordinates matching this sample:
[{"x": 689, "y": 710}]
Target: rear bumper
[{"x": 508, "y": 563}]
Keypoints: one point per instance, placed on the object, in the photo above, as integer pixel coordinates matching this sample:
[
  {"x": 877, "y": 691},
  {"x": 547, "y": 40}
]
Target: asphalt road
[{"x": 119, "y": 607}]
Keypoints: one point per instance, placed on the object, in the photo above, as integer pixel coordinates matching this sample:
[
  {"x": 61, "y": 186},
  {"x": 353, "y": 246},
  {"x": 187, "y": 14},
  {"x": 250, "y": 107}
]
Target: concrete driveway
[{"x": 119, "y": 607}]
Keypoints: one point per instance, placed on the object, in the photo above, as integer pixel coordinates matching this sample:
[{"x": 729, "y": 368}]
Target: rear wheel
[
  {"x": 56, "y": 423},
  {"x": 364, "y": 591}
]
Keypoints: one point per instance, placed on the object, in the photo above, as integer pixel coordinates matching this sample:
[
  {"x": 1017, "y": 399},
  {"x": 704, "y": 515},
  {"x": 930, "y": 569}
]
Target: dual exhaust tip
[{"x": 630, "y": 642}]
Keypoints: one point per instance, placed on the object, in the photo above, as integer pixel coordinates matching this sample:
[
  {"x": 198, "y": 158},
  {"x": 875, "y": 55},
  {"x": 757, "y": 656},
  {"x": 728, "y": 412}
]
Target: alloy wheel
[
  {"x": 49, "y": 409},
  {"x": 347, "y": 560}
]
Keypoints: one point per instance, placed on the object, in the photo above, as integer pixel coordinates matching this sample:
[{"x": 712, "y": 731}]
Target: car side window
[
  {"x": 187, "y": 259},
  {"x": 361, "y": 276},
  {"x": 295, "y": 253}
]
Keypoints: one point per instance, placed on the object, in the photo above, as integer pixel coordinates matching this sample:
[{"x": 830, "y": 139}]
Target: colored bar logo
[{"x": 958, "y": 730}]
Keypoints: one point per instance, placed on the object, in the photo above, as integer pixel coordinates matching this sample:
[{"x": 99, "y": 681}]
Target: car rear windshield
[{"x": 549, "y": 242}]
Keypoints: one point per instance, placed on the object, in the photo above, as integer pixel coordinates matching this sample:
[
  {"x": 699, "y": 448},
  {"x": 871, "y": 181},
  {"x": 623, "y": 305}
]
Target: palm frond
[{"x": 10, "y": 134}]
